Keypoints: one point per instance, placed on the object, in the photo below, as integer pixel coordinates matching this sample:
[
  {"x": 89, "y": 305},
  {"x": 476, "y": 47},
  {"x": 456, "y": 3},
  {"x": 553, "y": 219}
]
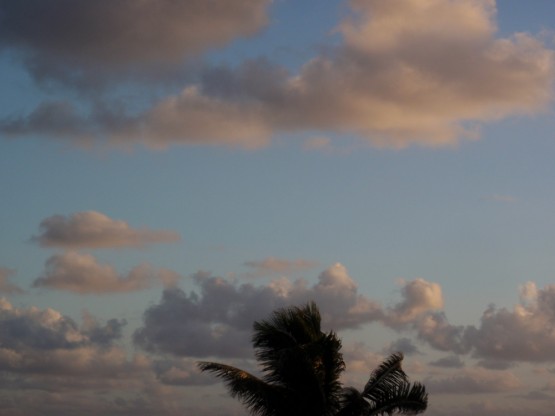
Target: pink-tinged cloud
[
  {"x": 525, "y": 333},
  {"x": 406, "y": 72},
  {"x": 6, "y": 286},
  {"x": 273, "y": 265},
  {"x": 81, "y": 273},
  {"x": 419, "y": 298},
  {"x": 91, "y": 229}
]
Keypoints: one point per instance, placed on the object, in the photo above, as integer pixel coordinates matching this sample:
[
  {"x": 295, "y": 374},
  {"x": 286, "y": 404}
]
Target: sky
[{"x": 171, "y": 172}]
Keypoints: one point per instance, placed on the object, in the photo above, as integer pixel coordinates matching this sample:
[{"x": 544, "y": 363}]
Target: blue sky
[{"x": 171, "y": 174}]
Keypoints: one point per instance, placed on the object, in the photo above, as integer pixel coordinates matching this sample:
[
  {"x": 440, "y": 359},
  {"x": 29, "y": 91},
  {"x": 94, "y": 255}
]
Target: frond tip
[{"x": 254, "y": 393}]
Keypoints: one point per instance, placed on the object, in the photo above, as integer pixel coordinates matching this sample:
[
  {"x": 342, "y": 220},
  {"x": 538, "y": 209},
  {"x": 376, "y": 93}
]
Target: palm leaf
[
  {"x": 259, "y": 397},
  {"x": 387, "y": 377},
  {"x": 404, "y": 399},
  {"x": 353, "y": 403}
]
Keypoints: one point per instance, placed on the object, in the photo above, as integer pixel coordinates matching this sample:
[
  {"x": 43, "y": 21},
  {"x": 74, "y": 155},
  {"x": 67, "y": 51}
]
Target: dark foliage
[{"x": 301, "y": 367}]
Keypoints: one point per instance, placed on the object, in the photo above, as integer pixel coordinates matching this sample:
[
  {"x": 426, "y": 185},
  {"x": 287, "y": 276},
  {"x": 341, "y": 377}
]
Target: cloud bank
[
  {"x": 405, "y": 72},
  {"x": 218, "y": 320}
]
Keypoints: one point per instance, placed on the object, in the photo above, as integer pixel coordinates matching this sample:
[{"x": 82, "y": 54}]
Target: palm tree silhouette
[{"x": 301, "y": 368}]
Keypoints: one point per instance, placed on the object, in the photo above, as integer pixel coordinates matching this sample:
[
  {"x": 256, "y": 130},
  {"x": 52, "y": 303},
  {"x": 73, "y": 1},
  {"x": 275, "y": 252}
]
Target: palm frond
[
  {"x": 404, "y": 399},
  {"x": 387, "y": 377},
  {"x": 259, "y": 397},
  {"x": 353, "y": 403}
]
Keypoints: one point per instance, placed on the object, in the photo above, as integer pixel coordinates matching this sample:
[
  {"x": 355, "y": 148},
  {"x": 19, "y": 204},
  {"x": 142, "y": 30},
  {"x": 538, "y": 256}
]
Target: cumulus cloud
[
  {"x": 47, "y": 329},
  {"x": 218, "y": 320},
  {"x": 435, "y": 329},
  {"x": 6, "y": 286},
  {"x": 525, "y": 333},
  {"x": 419, "y": 297},
  {"x": 91, "y": 229},
  {"x": 81, "y": 273},
  {"x": 404, "y": 72},
  {"x": 273, "y": 265},
  {"x": 82, "y": 42}
]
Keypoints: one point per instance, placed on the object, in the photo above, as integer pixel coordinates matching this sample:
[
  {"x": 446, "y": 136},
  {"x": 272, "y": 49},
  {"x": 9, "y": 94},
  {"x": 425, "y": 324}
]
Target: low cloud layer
[
  {"x": 405, "y": 72},
  {"x": 48, "y": 330},
  {"x": 81, "y": 273},
  {"x": 50, "y": 365},
  {"x": 91, "y": 229}
]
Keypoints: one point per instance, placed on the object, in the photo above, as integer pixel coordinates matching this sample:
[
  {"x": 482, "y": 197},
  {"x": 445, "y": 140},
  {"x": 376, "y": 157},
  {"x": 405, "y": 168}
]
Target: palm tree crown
[{"x": 301, "y": 368}]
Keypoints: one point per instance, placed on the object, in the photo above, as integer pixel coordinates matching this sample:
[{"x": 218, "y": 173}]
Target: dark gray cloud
[
  {"x": 218, "y": 320},
  {"x": 82, "y": 42}
]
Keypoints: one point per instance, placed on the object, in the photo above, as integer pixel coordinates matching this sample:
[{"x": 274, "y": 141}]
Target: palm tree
[{"x": 301, "y": 367}]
